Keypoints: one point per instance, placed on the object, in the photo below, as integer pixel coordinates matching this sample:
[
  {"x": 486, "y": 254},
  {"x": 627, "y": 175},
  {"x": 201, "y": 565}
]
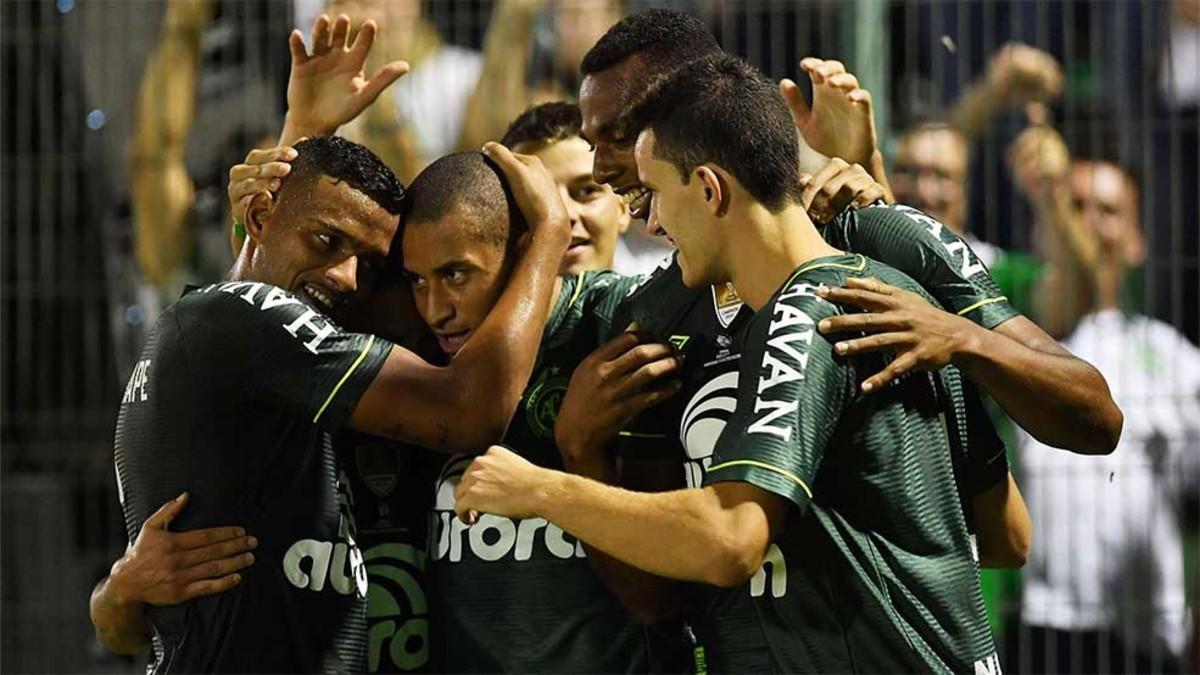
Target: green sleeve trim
[
  {"x": 578, "y": 289},
  {"x": 982, "y": 303},
  {"x": 353, "y": 367},
  {"x": 762, "y": 465},
  {"x": 858, "y": 267}
]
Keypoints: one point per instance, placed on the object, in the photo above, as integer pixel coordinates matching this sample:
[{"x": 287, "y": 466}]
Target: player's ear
[
  {"x": 258, "y": 214},
  {"x": 715, "y": 188}
]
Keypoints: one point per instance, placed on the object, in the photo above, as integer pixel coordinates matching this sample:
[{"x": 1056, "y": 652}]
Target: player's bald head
[{"x": 464, "y": 190}]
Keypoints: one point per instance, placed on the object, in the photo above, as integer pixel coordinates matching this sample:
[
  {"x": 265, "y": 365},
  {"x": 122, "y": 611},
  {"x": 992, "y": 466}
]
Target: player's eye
[
  {"x": 327, "y": 240},
  {"x": 588, "y": 192},
  {"x": 456, "y": 277}
]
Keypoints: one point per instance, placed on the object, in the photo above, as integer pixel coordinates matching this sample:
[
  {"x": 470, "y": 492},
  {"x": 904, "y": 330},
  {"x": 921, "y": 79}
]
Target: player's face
[
  {"x": 326, "y": 242},
  {"x": 598, "y": 216},
  {"x": 678, "y": 211},
  {"x": 602, "y": 98},
  {"x": 1107, "y": 202},
  {"x": 930, "y": 173},
  {"x": 456, "y": 277}
]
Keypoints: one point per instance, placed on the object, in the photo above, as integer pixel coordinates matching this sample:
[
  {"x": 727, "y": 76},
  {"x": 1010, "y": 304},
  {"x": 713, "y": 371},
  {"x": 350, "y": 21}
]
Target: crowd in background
[{"x": 1061, "y": 140}]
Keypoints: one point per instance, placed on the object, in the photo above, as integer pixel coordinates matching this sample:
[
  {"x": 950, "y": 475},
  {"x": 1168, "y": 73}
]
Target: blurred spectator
[
  {"x": 1104, "y": 586},
  {"x": 181, "y": 225},
  {"x": 551, "y": 132},
  {"x": 933, "y": 157}
]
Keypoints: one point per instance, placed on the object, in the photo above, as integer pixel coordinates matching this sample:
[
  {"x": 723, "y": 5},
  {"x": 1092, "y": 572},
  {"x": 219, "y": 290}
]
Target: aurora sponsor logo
[
  {"x": 314, "y": 564},
  {"x": 397, "y": 609},
  {"x": 493, "y": 537},
  {"x": 704, "y": 418}
]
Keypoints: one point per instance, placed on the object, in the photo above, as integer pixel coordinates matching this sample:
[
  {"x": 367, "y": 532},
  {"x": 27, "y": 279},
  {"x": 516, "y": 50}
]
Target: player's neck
[{"x": 769, "y": 248}]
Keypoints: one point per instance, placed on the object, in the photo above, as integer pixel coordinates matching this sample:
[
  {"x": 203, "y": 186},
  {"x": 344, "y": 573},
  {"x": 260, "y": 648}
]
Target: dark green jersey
[
  {"x": 520, "y": 595},
  {"x": 924, "y": 249},
  {"x": 874, "y": 570},
  {"x": 392, "y": 488}
]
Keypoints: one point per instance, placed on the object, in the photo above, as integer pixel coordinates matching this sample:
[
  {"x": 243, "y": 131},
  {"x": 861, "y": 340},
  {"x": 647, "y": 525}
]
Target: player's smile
[
  {"x": 330, "y": 302},
  {"x": 452, "y": 341},
  {"x": 637, "y": 200}
]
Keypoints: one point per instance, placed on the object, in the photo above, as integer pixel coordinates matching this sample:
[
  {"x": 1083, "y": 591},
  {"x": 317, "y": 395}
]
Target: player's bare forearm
[
  {"x": 687, "y": 535},
  {"x": 120, "y": 624},
  {"x": 1058, "y": 398},
  {"x": 1002, "y": 526}
]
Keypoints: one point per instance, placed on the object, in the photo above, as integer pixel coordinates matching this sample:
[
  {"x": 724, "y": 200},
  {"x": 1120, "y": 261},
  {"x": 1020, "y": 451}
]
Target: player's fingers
[
  {"x": 869, "y": 195},
  {"x": 794, "y": 97},
  {"x": 639, "y": 355},
  {"x": 860, "y": 96},
  {"x": 831, "y": 169},
  {"x": 255, "y": 171},
  {"x": 649, "y": 373},
  {"x": 873, "y": 343},
  {"x": 845, "y": 81},
  {"x": 615, "y": 347},
  {"x": 897, "y": 368},
  {"x": 831, "y": 198},
  {"x": 207, "y": 537},
  {"x": 503, "y": 157},
  {"x": 282, "y": 153},
  {"x": 383, "y": 78},
  {"x": 200, "y": 589},
  {"x": 341, "y": 29},
  {"x": 831, "y": 68},
  {"x": 215, "y": 569},
  {"x": 858, "y": 297},
  {"x": 218, "y": 551},
  {"x": 365, "y": 39},
  {"x": 161, "y": 518},
  {"x": 653, "y": 396},
  {"x": 810, "y": 63},
  {"x": 871, "y": 284},
  {"x": 296, "y": 47},
  {"x": 320, "y": 35},
  {"x": 864, "y": 322}
]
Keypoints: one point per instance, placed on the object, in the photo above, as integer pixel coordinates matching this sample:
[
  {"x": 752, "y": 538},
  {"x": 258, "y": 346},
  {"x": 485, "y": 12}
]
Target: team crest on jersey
[
  {"x": 704, "y": 418},
  {"x": 726, "y": 303},
  {"x": 541, "y": 407}
]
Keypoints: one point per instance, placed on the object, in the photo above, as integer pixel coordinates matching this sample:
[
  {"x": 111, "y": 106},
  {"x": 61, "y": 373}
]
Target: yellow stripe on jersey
[
  {"x": 353, "y": 367},
  {"x": 858, "y": 267},
  {"x": 578, "y": 289},
  {"x": 762, "y": 465},
  {"x": 981, "y": 303}
]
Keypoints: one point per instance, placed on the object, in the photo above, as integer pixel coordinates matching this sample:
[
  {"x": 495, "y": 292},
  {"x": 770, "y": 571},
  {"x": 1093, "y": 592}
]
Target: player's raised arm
[
  {"x": 328, "y": 87},
  {"x": 466, "y": 405}
]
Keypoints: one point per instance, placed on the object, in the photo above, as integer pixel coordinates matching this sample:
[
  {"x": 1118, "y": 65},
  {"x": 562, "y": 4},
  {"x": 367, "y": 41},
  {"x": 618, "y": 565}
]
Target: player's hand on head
[
  {"x": 166, "y": 568},
  {"x": 921, "y": 336},
  {"x": 499, "y": 482},
  {"x": 534, "y": 190},
  {"x": 836, "y": 187},
  {"x": 328, "y": 86},
  {"x": 841, "y": 121},
  {"x": 625, "y": 376},
  {"x": 262, "y": 171}
]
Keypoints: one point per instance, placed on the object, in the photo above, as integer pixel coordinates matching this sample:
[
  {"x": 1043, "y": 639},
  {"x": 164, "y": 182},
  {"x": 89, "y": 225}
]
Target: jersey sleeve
[
  {"x": 791, "y": 393},
  {"x": 987, "y": 460},
  {"x": 930, "y": 253},
  {"x": 267, "y": 345},
  {"x": 602, "y": 295}
]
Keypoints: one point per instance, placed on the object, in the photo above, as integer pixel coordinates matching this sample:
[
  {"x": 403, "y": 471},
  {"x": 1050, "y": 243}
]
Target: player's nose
[{"x": 344, "y": 275}]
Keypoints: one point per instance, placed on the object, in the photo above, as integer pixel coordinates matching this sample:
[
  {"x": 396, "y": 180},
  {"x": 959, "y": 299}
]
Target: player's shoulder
[{"x": 798, "y": 297}]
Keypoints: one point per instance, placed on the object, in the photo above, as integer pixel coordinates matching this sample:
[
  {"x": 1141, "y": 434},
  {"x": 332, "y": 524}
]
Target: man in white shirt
[{"x": 1104, "y": 585}]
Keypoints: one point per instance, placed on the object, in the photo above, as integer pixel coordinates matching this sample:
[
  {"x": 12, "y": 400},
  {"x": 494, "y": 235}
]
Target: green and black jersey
[
  {"x": 520, "y": 595},
  {"x": 874, "y": 570},
  {"x": 235, "y": 399},
  {"x": 392, "y": 490}
]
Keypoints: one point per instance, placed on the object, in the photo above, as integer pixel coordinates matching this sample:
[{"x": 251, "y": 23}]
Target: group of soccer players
[{"x": 768, "y": 455}]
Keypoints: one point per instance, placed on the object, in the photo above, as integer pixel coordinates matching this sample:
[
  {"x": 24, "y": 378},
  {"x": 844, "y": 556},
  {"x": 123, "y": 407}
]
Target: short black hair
[
  {"x": 544, "y": 124},
  {"x": 349, "y": 162},
  {"x": 470, "y": 181},
  {"x": 664, "y": 39},
  {"x": 721, "y": 109}
]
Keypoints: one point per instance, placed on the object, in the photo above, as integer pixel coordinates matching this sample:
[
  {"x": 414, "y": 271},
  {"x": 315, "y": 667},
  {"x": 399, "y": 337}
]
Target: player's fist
[
  {"x": 167, "y": 568},
  {"x": 499, "y": 482}
]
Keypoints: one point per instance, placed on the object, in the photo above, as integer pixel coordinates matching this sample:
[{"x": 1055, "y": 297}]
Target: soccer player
[
  {"x": 550, "y": 132},
  {"x": 851, "y": 499},
  {"x": 1061, "y": 400},
  {"x": 242, "y": 384},
  {"x": 515, "y": 595}
]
